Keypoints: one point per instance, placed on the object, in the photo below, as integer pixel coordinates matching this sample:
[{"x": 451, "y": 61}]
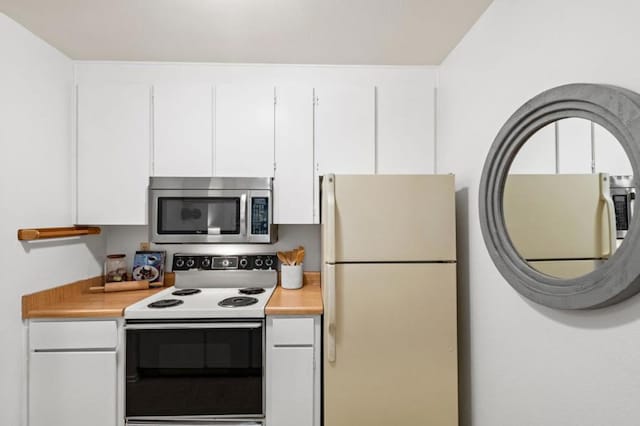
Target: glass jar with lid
[{"x": 115, "y": 268}]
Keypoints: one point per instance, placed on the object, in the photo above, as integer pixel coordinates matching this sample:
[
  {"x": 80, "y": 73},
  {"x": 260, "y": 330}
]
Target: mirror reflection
[{"x": 568, "y": 198}]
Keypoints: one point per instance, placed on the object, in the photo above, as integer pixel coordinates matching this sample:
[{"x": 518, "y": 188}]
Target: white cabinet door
[
  {"x": 344, "y": 134},
  {"x": 291, "y": 386},
  {"x": 113, "y": 153},
  {"x": 574, "y": 146},
  {"x": 293, "y": 371},
  {"x": 406, "y": 126},
  {"x": 244, "y": 131},
  {"x": 293, "y": 183},
  {"x": 72, "y": 388},
  {"x": 182, "y": 130},
  {"x": 345, "y": 130}
]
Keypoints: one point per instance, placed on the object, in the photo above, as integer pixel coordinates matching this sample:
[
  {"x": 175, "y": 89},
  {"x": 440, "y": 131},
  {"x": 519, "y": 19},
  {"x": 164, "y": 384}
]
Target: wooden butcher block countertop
[
  {"x": 304, "y": 301},
  {"x": 75, "y": 301}
]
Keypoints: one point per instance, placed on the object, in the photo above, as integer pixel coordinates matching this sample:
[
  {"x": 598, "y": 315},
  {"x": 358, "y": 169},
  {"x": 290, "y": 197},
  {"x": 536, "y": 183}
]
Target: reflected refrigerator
[
  {"x": 389, "y": 287},
  {"x": 562, "y": 224}
]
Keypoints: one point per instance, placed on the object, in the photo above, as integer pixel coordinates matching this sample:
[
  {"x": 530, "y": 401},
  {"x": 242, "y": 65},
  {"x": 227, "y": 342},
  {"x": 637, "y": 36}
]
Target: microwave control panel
[
  {"x": 259, "y": 216},
  {"x": 186, "y": 262}
]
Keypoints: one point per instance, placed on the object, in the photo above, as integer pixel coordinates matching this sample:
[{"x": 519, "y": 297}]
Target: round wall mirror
[{"x": 557, "y": 197}]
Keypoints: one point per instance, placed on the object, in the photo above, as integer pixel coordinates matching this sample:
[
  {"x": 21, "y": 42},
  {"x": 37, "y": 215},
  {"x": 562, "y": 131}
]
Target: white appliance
[
  {"x": 195, "y": 353},
  {"x": 389, "y": 286},
  {"x": 561, "y": 224}
]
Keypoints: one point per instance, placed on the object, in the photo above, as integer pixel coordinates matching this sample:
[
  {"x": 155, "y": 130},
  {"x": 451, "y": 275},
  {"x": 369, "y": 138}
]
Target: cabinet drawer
[
  {"x": 73, "y": 335},
  {"x": 292, "y": 331}
]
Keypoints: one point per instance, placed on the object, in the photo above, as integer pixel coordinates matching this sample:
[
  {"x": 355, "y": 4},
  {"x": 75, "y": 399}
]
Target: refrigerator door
[
  {"x": 396, "y": 346},
  {"x": 387, "y": 218},
  {"x": 560, "y": 216}
]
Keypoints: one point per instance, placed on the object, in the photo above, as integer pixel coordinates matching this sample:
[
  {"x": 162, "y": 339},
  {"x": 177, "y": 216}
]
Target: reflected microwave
[{"x": 211, "y": 210}]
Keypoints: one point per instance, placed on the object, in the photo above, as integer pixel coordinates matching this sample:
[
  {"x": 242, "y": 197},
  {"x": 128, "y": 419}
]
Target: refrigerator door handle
[
  {"x": 330, "y": 281},
  {"x": 330, "y": 240},
  {"x": 605, "y": 195}
]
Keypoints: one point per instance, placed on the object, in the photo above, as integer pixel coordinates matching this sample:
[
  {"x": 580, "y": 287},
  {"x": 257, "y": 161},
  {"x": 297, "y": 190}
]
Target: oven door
[{"x": 195, "y": 371}]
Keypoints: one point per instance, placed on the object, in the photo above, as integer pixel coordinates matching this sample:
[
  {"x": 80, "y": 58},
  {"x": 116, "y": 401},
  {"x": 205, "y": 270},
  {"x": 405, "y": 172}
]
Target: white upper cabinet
[
  {"x": 182, "y": 130},
  {"x": 405, "y": 129},
  {"x": 574, "y": 146},
  {"x": 345, "y": 130},
  {"x": 244, "y": 131},
  {"x": 113, "y": 154},
  {"x": 293, "y": 183}
]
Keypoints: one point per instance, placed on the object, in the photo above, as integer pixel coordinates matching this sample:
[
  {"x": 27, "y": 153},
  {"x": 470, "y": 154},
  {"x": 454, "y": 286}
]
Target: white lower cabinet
[
  {"x": 73, "y": 381},
  {"x": 72, "y": 388},
  {"x": 293, "y": 371}
]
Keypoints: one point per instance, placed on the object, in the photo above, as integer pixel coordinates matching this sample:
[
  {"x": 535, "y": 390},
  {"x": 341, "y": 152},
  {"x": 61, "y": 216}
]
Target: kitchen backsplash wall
[{"x": 127, "y": 239}]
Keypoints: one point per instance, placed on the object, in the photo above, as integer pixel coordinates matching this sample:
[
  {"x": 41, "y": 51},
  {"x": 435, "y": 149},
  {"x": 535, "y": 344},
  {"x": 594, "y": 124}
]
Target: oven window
[
  {"x": 179, "y": 215},
  {"x": 191, "y": 372}
]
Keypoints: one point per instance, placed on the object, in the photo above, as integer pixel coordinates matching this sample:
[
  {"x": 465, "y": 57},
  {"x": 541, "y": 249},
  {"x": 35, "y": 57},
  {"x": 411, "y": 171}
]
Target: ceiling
[{"x": 394, "y": 32}]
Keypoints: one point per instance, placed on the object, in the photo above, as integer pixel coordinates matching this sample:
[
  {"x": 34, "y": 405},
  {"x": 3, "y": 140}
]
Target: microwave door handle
[{"x": 243, "y": 214}]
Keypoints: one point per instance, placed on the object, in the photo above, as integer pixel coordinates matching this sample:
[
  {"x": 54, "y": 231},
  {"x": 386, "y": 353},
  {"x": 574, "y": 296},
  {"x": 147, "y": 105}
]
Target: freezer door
[
  {"x": 396, "y": 346},
  {"x": 560, "y": 216},
  {"x": 385, "y": 218}
]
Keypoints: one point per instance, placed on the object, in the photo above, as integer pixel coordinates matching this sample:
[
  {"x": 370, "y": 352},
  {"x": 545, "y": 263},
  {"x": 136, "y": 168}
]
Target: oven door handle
[{"x": 176, "y": 326}]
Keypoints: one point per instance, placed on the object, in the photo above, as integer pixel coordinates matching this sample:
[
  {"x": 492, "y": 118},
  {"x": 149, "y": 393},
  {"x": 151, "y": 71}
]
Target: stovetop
[
  {"x": 203, "y": 305},
  {"x": 212, "y": 287}
]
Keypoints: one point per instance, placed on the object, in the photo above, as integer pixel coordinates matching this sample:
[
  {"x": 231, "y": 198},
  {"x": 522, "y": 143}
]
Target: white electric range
[
  {"x": 212, "y": 287},
  {"x": 196, "y": 351}
]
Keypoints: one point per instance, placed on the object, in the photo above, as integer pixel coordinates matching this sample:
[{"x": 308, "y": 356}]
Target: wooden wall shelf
[{"x": 63, "y": 232}]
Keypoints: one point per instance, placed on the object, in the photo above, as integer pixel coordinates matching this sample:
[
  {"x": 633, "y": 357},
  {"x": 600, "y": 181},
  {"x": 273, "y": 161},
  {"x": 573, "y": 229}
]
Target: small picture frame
[{"x": 149, "y": 266}]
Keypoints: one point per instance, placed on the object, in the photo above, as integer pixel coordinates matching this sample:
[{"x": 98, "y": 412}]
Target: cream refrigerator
[
  {"x": 389, "y": 288},
  {"x": 562, "y": 224}
]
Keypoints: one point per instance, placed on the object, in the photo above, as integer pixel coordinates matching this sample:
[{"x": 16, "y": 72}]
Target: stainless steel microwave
[{"x": 211, "y": 210}]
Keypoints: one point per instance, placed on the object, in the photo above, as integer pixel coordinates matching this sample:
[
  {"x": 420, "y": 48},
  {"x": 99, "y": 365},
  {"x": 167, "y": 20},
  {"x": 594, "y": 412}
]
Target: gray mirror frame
[{"x": 617, "y": 110}]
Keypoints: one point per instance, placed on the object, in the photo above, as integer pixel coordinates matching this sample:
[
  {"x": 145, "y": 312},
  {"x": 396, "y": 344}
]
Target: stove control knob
[
  {"x": 191, "y": 262},
  {"x": 258, "y": 262},
  {"x": 205, "y": 263},
  {"x": 179, "y": 262},
  {"x": 225, "y": 263},
  {"x": 269, "y": 262},
  {"x": 244, "y": 262}
]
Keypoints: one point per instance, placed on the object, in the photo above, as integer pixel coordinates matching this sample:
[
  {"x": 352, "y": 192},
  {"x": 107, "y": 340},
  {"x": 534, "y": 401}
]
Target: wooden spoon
[
  {"x": 291, "y": 255},
  {"x": 283, "y": 258},
  {"x": 300, "y": 256}
]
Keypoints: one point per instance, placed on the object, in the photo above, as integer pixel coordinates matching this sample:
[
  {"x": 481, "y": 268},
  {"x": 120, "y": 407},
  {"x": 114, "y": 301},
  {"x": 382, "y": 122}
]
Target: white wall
[
  {"x": 35, "y": 191},
  {"x": 523, "y": 364}
]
